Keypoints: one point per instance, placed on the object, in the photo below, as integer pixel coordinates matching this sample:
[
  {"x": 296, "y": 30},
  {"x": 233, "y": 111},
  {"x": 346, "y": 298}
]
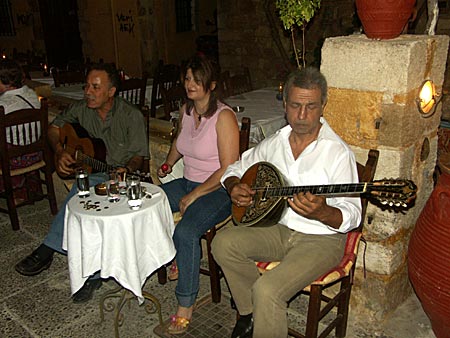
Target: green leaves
[{"x": 296, "y": 12}]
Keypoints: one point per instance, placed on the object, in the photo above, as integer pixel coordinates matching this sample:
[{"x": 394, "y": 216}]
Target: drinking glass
[
  {"x": 134, "y": 192},
  {"x": 82, "y": 180},
  {"x": 112, "y": 188}
]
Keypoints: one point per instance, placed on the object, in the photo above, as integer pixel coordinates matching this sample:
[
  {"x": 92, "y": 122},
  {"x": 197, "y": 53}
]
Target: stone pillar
[{"x": 373, "y": 87}]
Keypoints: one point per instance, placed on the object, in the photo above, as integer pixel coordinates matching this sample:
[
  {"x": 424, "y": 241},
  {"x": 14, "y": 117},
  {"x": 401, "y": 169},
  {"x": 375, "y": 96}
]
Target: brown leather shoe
[{"x": 34, "y": 264}]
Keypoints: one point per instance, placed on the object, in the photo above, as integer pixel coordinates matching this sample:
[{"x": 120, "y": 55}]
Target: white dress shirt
[{"x": 327, "y": 160}]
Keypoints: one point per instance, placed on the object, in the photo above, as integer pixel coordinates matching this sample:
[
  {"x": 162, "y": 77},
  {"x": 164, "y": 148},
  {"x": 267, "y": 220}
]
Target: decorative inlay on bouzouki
[{"x": 270, "y": 199}]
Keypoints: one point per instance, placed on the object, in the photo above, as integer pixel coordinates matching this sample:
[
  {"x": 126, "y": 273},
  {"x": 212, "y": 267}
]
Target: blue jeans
[
  {"x": 55, "y": 235},
  {"x": 199, "y": 217}
]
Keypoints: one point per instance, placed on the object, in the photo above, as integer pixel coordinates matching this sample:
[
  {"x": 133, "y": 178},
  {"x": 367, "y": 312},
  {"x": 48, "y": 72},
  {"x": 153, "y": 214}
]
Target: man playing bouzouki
[
  {"x": 120, "y": 126},
  {"x": 309, "y": 239}
]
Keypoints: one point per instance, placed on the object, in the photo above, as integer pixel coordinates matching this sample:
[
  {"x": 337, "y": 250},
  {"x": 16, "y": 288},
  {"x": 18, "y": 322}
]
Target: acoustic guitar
[
  {"x": 89, "y": 152},
  {"x": 269, "y": 201}
]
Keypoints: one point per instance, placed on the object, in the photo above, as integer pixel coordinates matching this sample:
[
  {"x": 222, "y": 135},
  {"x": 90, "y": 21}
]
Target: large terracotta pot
[
  {"x": 429, "y": 254},
  {"x": 384, "y": 19}
]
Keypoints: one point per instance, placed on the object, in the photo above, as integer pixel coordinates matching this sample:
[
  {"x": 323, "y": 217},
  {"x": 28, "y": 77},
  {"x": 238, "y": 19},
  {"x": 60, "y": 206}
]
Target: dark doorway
[{"x": 61, "y": 32}]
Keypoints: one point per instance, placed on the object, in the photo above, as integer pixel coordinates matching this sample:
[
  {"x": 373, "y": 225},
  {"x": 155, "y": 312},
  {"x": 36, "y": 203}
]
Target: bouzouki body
[
  {"x": 269, "y": 200},
  {"x": 266, "y": 210}
]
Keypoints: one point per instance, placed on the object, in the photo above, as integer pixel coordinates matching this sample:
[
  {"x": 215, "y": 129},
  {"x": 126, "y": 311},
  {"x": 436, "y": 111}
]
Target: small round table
[{"x": 128, "y": 245}]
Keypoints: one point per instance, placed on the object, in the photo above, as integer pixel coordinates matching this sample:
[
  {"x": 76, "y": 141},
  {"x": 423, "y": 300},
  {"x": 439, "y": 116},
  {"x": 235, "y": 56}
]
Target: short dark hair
[
  {"x": 11, "y": 73},
  {"x": 307, "y": 78},
  {"x": 112, "y": 72}
]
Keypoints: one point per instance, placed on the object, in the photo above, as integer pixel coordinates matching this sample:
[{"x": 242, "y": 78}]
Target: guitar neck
[
  {"x": 96, "y": 165},
  {"x": 323, "y": 190}
]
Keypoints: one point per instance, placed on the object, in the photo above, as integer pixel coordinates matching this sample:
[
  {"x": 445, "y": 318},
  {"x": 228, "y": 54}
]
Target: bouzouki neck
[{"x": 323, "y": 190}]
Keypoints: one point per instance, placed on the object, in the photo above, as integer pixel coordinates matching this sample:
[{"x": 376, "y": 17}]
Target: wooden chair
[
  {"x": 341, "y": 274},
  {"x": 239, "y": 83},
  {"x": 166, "y": 76},
  {"x": 173, "y": 98},
  {"x": 67, "y": 77},
  {"x": 133, "y": 90},
  {"x": 213, "y": 271},
  {"x": 18, "y": 126},
  {"x": 222, "y": 88}
]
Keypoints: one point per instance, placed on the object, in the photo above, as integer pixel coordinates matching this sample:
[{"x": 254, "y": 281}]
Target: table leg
[
  {"x": 106, "y": 304},
  {"x": 154, "y": 306}
]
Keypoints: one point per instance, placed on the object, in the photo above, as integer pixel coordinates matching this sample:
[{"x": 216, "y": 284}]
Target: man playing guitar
[{"x": 106, "y": 117}]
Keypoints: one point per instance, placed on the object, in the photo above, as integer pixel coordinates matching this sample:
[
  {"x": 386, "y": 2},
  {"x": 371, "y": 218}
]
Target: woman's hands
[
  {"x": 186, "y": 201},
  {"x": 164, "y": 170}
]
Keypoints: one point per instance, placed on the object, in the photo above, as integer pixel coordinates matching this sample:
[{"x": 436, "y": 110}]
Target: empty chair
[
  {"x": 166, "y": 76},
  {"x": 133, "y": 90},
  {"x": 238, "y": 83},
  {"x": 173, "y": 98},
  {"x": 68, "y": 77},
  {"x": 24, "y": 132}
]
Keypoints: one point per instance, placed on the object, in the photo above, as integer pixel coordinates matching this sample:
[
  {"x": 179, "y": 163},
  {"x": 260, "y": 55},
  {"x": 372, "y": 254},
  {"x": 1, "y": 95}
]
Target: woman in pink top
[{"x": 208, "y": 141}]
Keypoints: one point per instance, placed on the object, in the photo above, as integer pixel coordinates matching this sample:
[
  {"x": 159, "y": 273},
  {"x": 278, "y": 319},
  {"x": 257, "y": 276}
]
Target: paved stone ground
[{"x": 40, "y": 306}]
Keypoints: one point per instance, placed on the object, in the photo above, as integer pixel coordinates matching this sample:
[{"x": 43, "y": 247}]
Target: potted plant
[{"x": 296, "y": 14}]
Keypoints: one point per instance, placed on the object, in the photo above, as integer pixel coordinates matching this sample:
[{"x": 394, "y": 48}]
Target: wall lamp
[{"x": 428, "y": 99}]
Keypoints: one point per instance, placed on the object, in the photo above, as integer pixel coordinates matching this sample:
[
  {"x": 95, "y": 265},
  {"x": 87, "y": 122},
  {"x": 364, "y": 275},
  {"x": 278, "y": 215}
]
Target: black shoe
[
  {"x": 35, "y": 263},
  {"x": 86, "y": 292},
  {"x": 243, "y": 327}
]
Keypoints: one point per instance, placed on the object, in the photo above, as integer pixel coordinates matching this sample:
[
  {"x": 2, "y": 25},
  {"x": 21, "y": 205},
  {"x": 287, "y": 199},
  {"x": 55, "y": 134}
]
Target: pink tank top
[{"x": 199, "y": 146}]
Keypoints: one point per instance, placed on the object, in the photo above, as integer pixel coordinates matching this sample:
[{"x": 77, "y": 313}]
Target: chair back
[
  {"x": 23, "y": 132},
  {"x": 166, "y": 76},
  {"x": 68, "y": 77},
  {"x": 239, "y": 83},
  {"x": 133, "y": 90},
  {"x": 366, "y": 173},
  {"x": 244, "y": 134},
  {"x": 172, "y": 99}
]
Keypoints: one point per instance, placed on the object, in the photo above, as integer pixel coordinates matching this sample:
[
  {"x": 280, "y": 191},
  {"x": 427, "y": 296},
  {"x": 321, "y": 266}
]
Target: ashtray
[
  {"x": 100, "y": 189},
  {"x": 238, "y": 109}
]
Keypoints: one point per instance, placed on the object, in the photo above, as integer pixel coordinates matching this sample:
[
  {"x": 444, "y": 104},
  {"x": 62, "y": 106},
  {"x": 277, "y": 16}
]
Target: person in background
[
  {"x": 208, "y": 141},
  {"x": 120, "y": 125},
  {"x": 309, "y": 239},
  {"x": 15, "y": 95}
]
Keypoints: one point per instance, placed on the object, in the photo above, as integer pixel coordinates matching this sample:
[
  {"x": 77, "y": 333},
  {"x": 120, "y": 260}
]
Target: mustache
[{"x": 89, "y": 97}]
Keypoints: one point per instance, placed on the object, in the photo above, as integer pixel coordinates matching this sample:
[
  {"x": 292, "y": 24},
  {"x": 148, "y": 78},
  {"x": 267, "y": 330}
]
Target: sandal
[
  {"x": 173, "y": 271},
  {"x": 178, "y": 325}
]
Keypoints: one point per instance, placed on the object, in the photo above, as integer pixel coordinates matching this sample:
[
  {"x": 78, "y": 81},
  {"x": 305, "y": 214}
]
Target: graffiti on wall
[
  {"x": 25, "y": 19},
  {"x": 125, "y": 22}
]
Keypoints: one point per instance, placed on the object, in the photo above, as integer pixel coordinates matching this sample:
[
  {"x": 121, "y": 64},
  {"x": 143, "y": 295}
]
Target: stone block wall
[{"x": 372, "y": 104}]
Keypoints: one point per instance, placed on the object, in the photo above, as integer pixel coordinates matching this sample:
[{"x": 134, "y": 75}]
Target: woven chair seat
[{"x": 336, "y": 273}]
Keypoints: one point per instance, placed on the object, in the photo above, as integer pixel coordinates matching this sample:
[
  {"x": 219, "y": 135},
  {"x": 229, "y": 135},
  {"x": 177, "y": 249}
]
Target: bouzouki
[
  {"x": 89, "y": 152},
  {"x": 269, "y": 201}
]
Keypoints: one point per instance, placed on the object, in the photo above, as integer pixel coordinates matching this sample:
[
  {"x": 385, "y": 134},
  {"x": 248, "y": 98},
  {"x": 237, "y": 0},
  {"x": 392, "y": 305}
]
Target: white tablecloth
[
  {"x": 266, "y": 112},
  {"x": 124, "y": 244}
]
